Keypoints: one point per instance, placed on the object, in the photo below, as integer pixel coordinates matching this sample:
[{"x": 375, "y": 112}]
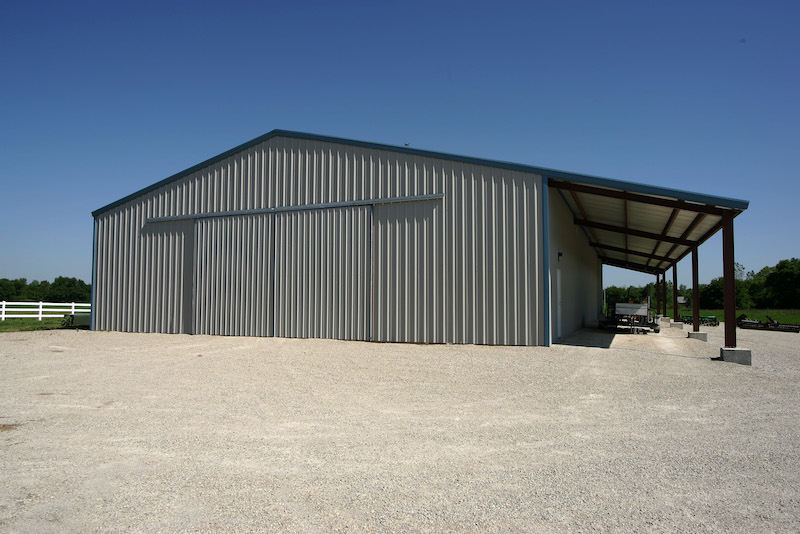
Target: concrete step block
[{"x": 736, "y": 355}]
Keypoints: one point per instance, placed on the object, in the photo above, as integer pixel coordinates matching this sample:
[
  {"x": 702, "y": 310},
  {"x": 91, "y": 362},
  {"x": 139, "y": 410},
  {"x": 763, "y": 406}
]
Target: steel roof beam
[
  {"x": 631, "y": 252},
  {"x": 578, "y": 203},
  {"x": 643, "y": 199},
  {"x": 714, "y": 229},
  {"x": 630, "y": 266},
  {"x": 625, "y": 206},
  {"x": 697, "y": 220},
  {"x": 637, "y": 233},
  {"x": 666, "y": 229}
]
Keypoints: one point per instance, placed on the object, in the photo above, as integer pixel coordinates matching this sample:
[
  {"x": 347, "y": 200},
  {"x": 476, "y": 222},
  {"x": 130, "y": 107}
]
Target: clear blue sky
[{"x": 100, "y": 99}]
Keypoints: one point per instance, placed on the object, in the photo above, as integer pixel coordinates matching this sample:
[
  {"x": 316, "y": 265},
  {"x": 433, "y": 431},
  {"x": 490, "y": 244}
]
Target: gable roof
[
  {"x": 631, "y": 225},
  {"x": 551, "y": 173}
]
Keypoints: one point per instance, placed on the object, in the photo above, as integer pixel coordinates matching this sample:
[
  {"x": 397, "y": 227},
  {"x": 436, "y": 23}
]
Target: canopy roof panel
[{"x": 643, "y": 228}]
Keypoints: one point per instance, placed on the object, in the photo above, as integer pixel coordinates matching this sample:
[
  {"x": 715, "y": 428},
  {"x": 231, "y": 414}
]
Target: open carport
[
  {"x": 108, "y": 431},
  {"x": 650, "y": 229}
]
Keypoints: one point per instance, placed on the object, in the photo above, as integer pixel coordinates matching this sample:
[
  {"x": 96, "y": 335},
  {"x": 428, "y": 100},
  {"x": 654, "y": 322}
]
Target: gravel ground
[{"x": 109, "y": 432}]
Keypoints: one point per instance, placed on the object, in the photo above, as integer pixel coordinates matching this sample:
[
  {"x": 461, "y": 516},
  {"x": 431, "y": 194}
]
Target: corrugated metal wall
[
  {"x": 233, "y": 276},
  {"x": 407, "y": 284},
  {"x": 493, "y": 239},
  {"x": 145, "y": 271},
  {"x": 465, "y": 268},
  {"x": 322, "y": 273}
]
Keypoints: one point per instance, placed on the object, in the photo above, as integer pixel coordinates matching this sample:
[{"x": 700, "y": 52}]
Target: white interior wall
[{"x": 580, "y": 276}]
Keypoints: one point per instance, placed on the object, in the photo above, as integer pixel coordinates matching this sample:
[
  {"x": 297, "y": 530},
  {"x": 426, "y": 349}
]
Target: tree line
[
  {"x": 776, "y": 287},
  {"x": 62, "y": 289}
]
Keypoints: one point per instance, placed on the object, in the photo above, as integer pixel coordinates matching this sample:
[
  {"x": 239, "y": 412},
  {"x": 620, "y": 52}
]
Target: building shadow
[{"x": 590, "y": 337}]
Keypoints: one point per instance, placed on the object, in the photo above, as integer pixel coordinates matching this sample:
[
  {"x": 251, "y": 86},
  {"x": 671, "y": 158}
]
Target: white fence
[{"x": 40, "y": 310}]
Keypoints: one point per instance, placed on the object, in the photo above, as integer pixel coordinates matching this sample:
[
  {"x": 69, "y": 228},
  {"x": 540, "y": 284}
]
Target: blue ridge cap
[{"x": 632, "y": 187}]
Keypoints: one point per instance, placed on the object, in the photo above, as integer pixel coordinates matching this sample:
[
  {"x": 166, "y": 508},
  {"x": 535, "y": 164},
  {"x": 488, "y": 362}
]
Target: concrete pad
[
  {"x": 702, "y": 336},
  {"x": 664, "y": 322},
  {"x": 736, "y": 355},
  {"x": 676, "y": 324}
]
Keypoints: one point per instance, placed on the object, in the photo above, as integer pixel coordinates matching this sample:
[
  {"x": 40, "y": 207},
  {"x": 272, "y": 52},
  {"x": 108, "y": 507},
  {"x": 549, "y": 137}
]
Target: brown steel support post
[
  {"x": 675, "y": 291},
  {"x": 664, "y": 293},
  {"x": 658, "y": 295},
  {"x": 658, "y": 292},
  {"x": 729, "y": 281},
  {"x": 695, "y": 293}
]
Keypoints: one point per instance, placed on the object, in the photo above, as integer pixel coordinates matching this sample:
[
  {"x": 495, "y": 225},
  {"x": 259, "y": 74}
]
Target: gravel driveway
[{"x": 108, "y": 432}]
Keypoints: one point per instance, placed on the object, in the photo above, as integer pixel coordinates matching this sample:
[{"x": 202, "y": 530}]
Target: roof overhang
[{"x": 639, "y": 227}]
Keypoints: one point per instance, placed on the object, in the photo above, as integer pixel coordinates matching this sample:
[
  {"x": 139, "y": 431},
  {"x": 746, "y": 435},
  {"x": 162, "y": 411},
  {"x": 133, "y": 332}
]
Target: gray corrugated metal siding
[{"x": 462, "y": 268}]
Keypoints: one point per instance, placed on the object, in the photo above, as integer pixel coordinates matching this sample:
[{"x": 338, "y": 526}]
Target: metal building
[{"x": 300, "y": 235}]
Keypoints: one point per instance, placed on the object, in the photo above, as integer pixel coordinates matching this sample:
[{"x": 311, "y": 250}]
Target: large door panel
[
  {"x": 233, "y": 276},
  {"x": 322, "y": 273},
  {"x": 164, "y": 298},
  {"x": 407, "y": 284}
]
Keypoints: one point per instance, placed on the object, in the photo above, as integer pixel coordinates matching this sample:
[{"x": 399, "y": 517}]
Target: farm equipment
[
  {"x": 743, "y": 322},
  {"x": 705, "y": 320},
  {"x": 635, "y": 316}
]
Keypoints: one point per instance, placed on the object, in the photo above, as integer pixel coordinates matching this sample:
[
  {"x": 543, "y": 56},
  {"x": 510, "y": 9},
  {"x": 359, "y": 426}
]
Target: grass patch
[
  {"x": 782, "y": 316},
  {"x": 24, "y": 325}
]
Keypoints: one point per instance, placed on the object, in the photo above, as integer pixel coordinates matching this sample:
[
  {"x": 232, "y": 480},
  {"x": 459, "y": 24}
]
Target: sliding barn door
[
  {"x": 322, "y": 273},
  {"x": 234, "y": 276},
  {"x": 407, "y": 284}
]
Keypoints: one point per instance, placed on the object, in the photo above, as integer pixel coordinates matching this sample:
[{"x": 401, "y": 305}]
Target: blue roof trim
[{"x": 632, "y": 187}]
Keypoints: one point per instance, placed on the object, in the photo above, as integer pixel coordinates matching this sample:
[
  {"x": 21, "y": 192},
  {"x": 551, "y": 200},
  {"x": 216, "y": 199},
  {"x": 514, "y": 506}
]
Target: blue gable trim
[{"x": 632, "y": 187}]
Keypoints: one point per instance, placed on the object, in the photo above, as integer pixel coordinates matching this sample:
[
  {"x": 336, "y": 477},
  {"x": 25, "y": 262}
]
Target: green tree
[
  {"x": 36, "y": 290},
  {"x": 782, "y": 284},
  {"x": 743, "y": 298},
  {"x": 68, "y": 290},
  {"x": 711, "y": 294},
  {"x": 11, "y": 290},
  {"x": 616, "y": 294},
  {"x": 686, "y": 293},
  {"x": 63, "y": 289},
  {"x": 758, "y": 289},
  {"x": 771, "y": 287}
]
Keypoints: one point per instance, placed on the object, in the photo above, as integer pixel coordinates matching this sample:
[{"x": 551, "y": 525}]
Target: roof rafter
[
  {"x": 667, "y": 226},
  {"x": 636, "y": 197},
  {"x": 697, "y": 220},
  {"x": 632, "y": 266},
  {"x": 578, "y": 203},
  {"x": 714, "y": 229},
  {"x": 625, "y": 209},
  {"x": 630, "y": 231},
  {"x": 630, "y": 252}
]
